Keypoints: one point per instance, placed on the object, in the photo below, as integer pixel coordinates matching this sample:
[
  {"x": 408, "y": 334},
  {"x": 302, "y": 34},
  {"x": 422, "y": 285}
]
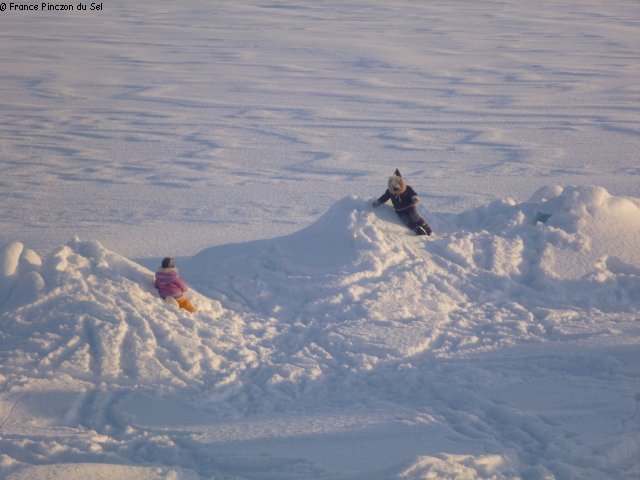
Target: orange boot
[{"x": 183, "y": 302}]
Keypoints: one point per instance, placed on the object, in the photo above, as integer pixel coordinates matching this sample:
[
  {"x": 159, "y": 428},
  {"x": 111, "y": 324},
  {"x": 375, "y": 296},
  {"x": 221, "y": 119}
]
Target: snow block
[
  {"x": 9, "y": 258},
  {"x": 17, "y": 263}
]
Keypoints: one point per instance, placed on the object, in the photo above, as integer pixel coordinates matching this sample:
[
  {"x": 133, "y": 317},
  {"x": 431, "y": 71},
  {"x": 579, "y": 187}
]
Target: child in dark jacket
[
  {"x": 171, "y": 286},
  {"x": 405, "y": 201}
]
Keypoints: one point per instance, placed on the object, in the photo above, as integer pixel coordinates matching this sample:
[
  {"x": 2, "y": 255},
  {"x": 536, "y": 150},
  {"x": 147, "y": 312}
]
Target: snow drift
[{"x": 353, "y": 314}]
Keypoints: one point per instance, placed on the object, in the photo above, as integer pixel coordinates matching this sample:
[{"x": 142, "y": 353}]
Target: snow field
[
  {"x": 246, "y": 139},
  {"x": 180, "y": 127}
]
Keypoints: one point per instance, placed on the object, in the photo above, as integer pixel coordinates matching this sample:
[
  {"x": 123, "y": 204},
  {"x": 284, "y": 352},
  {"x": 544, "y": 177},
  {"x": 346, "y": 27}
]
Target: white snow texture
[{"x": 330, "y": 342}]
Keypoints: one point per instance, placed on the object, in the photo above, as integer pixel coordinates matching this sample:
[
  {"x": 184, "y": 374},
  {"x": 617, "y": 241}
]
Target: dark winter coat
[{"x": 403, "y": 202}]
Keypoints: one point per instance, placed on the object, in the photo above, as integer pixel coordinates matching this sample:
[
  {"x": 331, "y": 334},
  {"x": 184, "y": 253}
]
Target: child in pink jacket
[{"x": 170, "y": 285}]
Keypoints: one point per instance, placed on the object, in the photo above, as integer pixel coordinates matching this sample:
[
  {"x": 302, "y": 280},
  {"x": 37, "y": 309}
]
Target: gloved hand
[
  {"x": 375, "y": 203},
  {"x": 428, "y": 230}
]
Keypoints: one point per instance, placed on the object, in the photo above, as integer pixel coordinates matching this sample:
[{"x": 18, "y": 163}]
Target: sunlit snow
[{"x": 247, "y": 140}]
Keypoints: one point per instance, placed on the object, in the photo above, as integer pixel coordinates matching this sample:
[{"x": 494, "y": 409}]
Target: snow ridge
[{"x": 352, "y": 314}]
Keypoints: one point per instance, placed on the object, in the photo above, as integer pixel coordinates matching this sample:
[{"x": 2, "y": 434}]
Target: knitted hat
[{"x": 168, "y": 263}]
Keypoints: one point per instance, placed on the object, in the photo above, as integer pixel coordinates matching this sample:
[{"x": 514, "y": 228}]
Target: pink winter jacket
[{"x": 169, "y": 283}]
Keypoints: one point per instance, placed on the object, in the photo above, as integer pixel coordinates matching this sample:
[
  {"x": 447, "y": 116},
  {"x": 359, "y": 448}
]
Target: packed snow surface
[{"x": 247, "y": 139}]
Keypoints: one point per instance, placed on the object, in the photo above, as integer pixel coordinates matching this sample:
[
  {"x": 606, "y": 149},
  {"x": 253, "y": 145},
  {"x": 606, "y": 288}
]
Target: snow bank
[
  {"x": 361, "y": 275},
  {"x": 461, "y": 467},
  {"x": 352, "y": 314},
  {"x": 89, "y": 314},
  {"x": 585, "y": 226},
  {"x": 354, "y": 289}
]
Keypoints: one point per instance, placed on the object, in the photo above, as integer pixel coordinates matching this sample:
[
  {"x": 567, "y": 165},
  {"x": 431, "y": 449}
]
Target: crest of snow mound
[
  {"x": 461, "y": 467},
  {"x": 88, "y": 313},
  {"x": 604, "y": 227},
  {"x": 350, "y": 241},
  {"x": 560, "y": 233},
  {"x": 326, "y": 246},
  {"x": 356, "y": 274}
]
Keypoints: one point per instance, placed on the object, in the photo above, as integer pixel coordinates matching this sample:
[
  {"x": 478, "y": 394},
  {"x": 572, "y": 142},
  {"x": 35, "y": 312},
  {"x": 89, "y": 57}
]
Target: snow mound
[
  {"x": 88, "y": 314},
  {"x": 358, "y": 274},
  {"x": 574, "y": 230},
  {"x": 354, "y": 291},
  {"x": 461, "y": 467}
]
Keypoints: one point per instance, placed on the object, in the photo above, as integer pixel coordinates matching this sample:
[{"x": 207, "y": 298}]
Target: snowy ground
[{"x": 248, "y": 140}]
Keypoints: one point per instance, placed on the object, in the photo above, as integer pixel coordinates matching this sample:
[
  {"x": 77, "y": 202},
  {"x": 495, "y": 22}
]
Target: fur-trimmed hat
[
  {"x": 168, "y": 263},
  {"x": 397, "y": 184}
]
